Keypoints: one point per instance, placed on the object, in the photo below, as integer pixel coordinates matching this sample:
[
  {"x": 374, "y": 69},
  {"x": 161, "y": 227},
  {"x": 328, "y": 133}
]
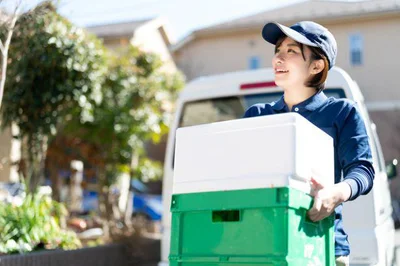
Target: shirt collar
[
  {"x": 310, "y": 104},
  {"x": 279, "y": 104}
]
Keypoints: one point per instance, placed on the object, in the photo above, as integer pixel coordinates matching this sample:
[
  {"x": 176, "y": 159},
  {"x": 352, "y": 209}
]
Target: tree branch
[{"x": 4, "y": 49}]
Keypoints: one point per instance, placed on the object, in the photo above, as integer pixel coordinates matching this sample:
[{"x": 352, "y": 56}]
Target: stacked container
[{"x": 240, "y": 193}]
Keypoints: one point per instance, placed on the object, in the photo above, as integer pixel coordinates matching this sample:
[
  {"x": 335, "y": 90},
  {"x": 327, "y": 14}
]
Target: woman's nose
[{"x": 279, "y": 58}]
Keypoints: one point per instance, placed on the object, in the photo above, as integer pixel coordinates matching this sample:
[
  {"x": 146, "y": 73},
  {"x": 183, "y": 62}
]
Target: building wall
[
  {"x": 377, "y": 77},
  {"x": 219, "y": 54}
]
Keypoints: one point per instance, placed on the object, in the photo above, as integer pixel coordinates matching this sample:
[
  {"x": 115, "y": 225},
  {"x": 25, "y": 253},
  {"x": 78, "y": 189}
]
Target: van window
[
  {"x": 211, "y": 110},
  {"x": 228, "y": 108}
]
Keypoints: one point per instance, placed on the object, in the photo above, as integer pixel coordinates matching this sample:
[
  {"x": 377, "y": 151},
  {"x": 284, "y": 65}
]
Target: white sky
[{"x": 184, "y": 16}]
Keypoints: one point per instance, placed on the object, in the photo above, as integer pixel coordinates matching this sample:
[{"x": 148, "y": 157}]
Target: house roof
[
  {"x": 129, "y": 28},
  {"x": 314, "y": 10},
  {"x": 319, "y": 10},
  {"x": 117, "y": 29}
]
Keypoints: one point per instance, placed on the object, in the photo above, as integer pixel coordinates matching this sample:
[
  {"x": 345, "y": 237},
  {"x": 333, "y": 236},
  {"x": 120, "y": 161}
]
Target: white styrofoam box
[{"x": 259, "y": 152}]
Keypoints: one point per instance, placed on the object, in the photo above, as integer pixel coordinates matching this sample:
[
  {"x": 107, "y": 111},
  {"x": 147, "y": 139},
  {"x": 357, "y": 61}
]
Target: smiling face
[{"x": 292, "y": 64}]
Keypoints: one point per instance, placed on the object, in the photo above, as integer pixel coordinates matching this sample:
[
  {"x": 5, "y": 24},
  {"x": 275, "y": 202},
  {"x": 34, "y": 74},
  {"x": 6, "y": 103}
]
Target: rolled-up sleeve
[
  {"x": 355, "y": 154},
  {"x": 258, "y": 110},
  {"x": 250, "y": 112}
]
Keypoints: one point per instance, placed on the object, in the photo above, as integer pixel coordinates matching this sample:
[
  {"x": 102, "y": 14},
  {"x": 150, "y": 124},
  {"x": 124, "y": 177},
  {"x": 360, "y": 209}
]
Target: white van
[{"x": 367, "y": 220}]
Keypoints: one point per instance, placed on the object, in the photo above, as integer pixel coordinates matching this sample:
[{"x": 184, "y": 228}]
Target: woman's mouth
[{"x": 281, "y": 71}]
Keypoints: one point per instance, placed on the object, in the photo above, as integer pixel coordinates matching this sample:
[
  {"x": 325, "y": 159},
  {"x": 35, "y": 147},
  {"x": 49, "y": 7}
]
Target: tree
[
  {"x": 63, "y": 90},
  {"x": 55, "y": 68},
  {"x": 134, "y": 91}
]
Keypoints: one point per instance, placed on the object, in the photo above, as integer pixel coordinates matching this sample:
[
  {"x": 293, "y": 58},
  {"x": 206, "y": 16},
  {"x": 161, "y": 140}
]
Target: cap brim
[{"x": 272, "y": 32}]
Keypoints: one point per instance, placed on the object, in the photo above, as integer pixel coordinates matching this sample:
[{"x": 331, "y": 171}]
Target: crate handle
[{"x": 226, "y": 216}]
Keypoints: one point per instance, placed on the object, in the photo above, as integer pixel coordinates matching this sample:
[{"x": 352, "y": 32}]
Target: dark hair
[{"x": 316, "y": 81}]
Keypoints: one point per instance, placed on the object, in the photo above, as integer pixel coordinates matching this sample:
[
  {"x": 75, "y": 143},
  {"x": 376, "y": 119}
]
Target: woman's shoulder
[
  {"x": 259, "y": 109},
  {"x": 343, "y": 109},
  {"x": 342, "y": 104}
]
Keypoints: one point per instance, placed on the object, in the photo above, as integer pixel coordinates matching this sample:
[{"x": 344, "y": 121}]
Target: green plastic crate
[{"x": 248, "y": 227}]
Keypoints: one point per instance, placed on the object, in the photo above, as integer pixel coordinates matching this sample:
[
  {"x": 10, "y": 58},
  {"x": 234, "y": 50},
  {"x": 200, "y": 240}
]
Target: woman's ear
[{"x": 317, "y": 66}]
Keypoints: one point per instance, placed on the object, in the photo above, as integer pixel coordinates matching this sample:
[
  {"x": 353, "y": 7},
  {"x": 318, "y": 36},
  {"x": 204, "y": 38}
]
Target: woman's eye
[{"x": 291, "y": 51}]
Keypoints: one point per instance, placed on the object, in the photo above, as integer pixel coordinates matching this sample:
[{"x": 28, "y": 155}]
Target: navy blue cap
[{"x": 305, "y": 32}]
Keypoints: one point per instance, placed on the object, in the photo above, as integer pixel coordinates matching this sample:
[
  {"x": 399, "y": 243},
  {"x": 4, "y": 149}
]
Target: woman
[{"x": 303, "y": 55}]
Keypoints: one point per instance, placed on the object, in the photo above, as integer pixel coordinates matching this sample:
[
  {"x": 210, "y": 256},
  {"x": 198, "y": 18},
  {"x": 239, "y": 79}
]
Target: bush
[{"x": 34, "y": 225}]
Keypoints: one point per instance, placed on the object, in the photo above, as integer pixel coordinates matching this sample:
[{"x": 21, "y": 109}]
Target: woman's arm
[
  {"x": 354, "y": 153},
  {"x": 356, "y": 161}
]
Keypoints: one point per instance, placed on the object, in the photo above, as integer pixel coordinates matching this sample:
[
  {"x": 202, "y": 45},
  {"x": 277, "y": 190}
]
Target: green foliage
[
  {"x": 34, "y": 225},
  {"x": 53, "y": 67},
  {"x": 59, "y": 76},
  {"x": 148, "y": 170},
  {"x": 134, "y": 91}
]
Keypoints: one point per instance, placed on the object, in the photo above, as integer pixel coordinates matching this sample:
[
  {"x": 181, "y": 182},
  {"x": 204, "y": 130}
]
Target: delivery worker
[{"x": 304, "y": 53}]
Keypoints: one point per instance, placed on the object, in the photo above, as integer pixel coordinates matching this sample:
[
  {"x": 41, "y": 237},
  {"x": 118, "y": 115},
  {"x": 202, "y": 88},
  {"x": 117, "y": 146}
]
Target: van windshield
[{"x": 232, "y": 107}]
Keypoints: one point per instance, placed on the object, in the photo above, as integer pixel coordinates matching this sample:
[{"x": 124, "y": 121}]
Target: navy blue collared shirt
[{"x": 340, "y": 119}]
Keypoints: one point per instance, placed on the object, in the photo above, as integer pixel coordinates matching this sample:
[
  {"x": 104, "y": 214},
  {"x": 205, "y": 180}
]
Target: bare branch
[
  {"x": 1, "y": 47},
  {"x": 6, "y": 45},
  {"x": 17, "y": 8}
]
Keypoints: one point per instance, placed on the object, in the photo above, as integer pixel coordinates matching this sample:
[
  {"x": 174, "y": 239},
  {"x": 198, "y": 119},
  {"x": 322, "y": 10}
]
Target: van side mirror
[{"x": 391, "y": 169}]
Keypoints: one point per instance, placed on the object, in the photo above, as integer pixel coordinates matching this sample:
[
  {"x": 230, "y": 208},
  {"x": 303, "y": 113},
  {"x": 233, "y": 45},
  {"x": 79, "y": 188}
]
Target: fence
[{"x": 114, "y": 255}]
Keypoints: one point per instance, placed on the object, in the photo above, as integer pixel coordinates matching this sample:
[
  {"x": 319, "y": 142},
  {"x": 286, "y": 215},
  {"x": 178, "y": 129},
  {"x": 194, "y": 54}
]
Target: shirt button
[{"x": 296, "y": 109}]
